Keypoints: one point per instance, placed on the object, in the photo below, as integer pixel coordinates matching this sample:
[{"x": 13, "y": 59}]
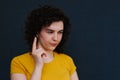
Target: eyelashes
[{"x": 50, "y": 31}]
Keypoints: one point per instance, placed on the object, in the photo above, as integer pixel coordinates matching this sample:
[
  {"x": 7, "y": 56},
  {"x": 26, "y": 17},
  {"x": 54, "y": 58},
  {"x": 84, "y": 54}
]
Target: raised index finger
[{"x": 34, "y": 46}]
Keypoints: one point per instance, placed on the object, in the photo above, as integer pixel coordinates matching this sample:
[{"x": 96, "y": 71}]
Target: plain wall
[{"x": 94, "y": 42}]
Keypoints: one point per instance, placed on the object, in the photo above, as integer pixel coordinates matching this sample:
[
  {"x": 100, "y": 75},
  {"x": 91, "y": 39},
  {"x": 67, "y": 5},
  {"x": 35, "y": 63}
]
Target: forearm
[
  {"x": 74, "y": 76},
  {"x": 36, "y": 75}
]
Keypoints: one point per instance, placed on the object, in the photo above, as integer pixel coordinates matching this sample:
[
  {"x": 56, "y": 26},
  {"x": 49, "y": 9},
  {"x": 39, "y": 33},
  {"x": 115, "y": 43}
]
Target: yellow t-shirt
[{"x": 61, "y": 68}]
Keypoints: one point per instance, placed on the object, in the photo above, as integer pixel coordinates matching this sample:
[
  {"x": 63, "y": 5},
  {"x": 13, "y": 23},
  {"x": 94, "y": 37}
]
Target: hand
[{"x": 38, "y": 53}]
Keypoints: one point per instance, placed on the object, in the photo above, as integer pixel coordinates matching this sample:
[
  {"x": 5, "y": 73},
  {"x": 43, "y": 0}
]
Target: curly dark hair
[{"x": 44, "y": 16}]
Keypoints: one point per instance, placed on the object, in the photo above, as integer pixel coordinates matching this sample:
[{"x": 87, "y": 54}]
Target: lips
[{"x": 54, "y": 44}]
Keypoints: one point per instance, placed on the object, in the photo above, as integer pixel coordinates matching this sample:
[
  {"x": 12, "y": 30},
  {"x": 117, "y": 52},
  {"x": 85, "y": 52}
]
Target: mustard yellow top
[{"x": 61, "y": 68}]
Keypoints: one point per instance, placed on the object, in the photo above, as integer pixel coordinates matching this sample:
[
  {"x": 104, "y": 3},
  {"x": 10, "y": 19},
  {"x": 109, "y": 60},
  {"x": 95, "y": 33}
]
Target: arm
[
  {"x": 18, "y": 77},
  {"x": 37, "y": 72},
  {"x": 74, "y": 76},
  {"x": 37, "y": 54},
  {"x": 36, "y": 75}
]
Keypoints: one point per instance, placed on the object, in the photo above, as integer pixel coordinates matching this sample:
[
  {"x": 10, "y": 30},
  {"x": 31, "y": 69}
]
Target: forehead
[{"x": 56, "y": 26}]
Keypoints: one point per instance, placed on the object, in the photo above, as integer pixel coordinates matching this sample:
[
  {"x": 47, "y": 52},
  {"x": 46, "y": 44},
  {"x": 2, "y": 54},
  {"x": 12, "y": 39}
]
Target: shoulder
[
  {"x": 21, "y": 63},
  {"x": 22, "y": 57}
]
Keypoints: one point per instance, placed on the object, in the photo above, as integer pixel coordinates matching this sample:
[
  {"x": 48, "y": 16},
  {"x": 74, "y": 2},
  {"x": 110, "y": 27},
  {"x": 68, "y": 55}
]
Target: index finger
[{"x": 34, "y": 44}]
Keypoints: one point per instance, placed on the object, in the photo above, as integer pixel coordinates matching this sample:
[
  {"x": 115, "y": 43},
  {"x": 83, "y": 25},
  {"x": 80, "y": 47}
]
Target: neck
[
  {"x": 50, "y": 53},
  {"x": 50, "y": 57}
]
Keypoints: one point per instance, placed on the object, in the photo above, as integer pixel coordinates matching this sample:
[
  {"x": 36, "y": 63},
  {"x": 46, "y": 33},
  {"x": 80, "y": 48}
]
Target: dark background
[{"x": 94, "y": 43}]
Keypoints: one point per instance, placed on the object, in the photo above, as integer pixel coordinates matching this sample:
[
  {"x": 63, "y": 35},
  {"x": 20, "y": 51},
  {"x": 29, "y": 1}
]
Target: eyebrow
[{"x": 52, "y": 29}]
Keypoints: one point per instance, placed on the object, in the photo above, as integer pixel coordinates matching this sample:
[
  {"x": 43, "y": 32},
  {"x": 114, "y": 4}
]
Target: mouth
[{"x": 53, "y": 44}]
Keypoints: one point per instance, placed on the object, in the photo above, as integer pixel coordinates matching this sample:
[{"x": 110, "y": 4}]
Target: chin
[{"x": 52, "y": 48}]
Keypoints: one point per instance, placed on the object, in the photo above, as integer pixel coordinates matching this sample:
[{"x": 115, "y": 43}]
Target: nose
[{"x": 55, "y": 37}]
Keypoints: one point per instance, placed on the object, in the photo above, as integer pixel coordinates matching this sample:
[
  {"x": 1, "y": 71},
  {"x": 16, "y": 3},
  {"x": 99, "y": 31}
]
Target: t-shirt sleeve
[
  {"x": 70, "y": 64},
  {"x": 16, "y": 66}
]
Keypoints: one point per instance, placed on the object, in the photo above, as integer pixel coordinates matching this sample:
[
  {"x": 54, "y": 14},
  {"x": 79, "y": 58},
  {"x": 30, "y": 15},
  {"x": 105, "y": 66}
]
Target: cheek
[
  {"x": 60, "y": 37},
  {"x": 44, "y": 39}
]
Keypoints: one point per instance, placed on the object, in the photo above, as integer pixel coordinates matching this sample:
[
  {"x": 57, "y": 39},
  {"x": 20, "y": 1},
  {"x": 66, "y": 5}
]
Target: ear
[{"x": 37, "y": 34}]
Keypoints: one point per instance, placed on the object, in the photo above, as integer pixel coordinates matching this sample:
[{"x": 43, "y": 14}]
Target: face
[{"x": 51, "y": 36}]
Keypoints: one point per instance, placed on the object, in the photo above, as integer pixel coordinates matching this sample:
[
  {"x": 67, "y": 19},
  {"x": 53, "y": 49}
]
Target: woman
[{"x": 46, "y": 31}]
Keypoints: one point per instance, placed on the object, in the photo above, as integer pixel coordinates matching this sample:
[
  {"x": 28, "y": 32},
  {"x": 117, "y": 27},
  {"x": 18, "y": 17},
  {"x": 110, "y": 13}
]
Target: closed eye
[
  {"x": 61, "y": 32},
  {"x": 52, "y": 31},
  {"x": 49, "y": 31}
]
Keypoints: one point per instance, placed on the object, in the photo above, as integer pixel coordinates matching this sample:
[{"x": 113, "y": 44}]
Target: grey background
[{"x": 94, "y": 43}]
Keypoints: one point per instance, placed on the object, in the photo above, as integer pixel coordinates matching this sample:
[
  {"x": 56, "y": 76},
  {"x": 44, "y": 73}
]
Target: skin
[{"x": 42, "y": 51}]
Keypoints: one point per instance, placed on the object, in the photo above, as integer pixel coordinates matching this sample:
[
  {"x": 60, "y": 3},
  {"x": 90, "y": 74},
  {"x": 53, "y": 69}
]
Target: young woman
[{"x": 46, "y": 31}]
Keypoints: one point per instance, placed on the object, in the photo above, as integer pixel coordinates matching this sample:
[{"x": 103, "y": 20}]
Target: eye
[
  {"x": 49, "y": 31},
  {"x": 61, "y": 32}
]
